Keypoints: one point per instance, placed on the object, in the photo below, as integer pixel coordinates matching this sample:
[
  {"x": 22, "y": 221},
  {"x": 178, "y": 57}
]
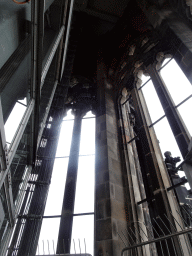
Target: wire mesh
[{"x": 165, "y": 237}]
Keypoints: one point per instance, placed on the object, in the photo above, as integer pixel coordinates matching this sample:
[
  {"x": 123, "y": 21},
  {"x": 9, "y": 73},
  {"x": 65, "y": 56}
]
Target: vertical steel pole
[{"x": 65, "y": 230}]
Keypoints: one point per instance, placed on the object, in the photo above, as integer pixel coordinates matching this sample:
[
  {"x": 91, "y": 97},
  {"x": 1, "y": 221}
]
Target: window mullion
[{"x": 179, "y": 130}]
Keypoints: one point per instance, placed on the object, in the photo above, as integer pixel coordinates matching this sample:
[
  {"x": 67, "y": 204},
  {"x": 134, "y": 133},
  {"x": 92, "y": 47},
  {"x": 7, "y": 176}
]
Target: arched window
[
  {"x": 180, "y": 89},
  {"x": 179, "y": 92},
  {"x": 83, "y": 216}
]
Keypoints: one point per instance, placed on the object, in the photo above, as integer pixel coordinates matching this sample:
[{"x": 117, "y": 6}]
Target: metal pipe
[
  {"x": 177, "y": 185},
  {"x": 157, "y": 121},
  {"x": 67, "y": 37},
  {"x": 37, "y": 27},
  {"x": 17, "y": 138},
  {"x": 51, "y": 56},
  {"x": 54, "y": 216},
  {"x": 145, "y": 200},
  {"x": 65, "y": 5},
  {"x": 3, "y": 161},
  {"x": 157, "y": 239},
  {"x": 46, "y": 113},
  {"x": 132, "y": 139},
  {"x": 22, "y": 191},
  {"x": 183, "y": 101}
]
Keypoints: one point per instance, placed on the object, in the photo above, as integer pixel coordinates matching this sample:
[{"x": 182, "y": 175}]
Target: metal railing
[
  {"x": 162, "y": 237},
  {"x": 82, "y": 254},
  {"x": 46, "y": 247}
]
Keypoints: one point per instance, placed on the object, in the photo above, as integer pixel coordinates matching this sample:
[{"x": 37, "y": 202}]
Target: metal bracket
[
  {"x": 178, "y": 184},
  {"x": 146, "y": 200}
]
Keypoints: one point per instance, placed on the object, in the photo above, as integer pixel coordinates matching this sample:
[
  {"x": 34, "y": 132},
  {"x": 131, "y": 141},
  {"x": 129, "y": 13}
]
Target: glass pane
[
  {"x": 176, "y": 82},
  {"x": 56, "y": 190},
  {"x": 89, "y": 114},
  {"x": 167, "y": 142},
  {"x": 83, "y": 231},
  {"x": 13, "y": 121},
  {"x": 185, "y": 110},
  {"x": 87, "y": 144},
  {"x": 166, "y": 138},
  {"x": 145, "y": 79},
  {"x": 64, "y": 144},
  {"x": 48, "y": 237},
  {"x": 165, "y": 62},
  {"x": 69, "y": 116},
  {"x": 24, "y": 101},
  {"x": 153, "y": 103},
  {"x": 84, "y": 199}
]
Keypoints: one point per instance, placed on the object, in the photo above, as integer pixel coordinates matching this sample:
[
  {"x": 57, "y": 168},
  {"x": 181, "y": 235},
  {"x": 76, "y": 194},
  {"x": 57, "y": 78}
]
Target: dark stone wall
[{"x": 110, "y": 179}]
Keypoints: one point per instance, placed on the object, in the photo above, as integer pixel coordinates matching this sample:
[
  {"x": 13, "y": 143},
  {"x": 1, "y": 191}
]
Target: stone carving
[
  {"x": 171, "y": 163},
  {"x": 132, "y": 119}
]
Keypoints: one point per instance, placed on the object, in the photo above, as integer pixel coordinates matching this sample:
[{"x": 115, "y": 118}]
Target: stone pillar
[
  {"x": 65, "y": 230},
  {"x": 110, "y": 178},
  {"x": 136, "y": 185}
]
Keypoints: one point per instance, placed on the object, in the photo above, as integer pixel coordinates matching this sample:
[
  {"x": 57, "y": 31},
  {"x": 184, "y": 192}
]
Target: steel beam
[
  {"x": 3, "y": 146},
  {"x": 46, "y": 114},
  {"x": 51, "y": 56},
  {"x": 37, "y": 17},
  {"x": 38, "y": 78},
  {"x": 5, "y": 241},
  {"x": 4, "y": 162},
  {"x": 9, "y": 198},
  {"x": 67, "y": 37},
  {"x": 21, "y": 195},
  {"x": 23, "y": 123},
  {"x": 17, "y": 138},
  {"x": 31, "y": 231},
  {"x": 64, "y": 17}
]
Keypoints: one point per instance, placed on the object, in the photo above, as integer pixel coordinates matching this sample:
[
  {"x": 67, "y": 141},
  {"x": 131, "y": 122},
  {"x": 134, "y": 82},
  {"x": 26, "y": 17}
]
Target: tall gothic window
[
  {"x": 83, "y": 225},
  {"x": 180, "y": 91},
  {"x": 83, "y": 219}
]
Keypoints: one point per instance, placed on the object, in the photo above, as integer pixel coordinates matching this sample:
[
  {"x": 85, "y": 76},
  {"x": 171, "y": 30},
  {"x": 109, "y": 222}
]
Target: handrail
[{"x": 157, "y": 240}]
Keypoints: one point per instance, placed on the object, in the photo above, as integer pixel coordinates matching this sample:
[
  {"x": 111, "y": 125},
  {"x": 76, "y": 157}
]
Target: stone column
[
  {"x": 65, "y": 230},
  {"x": 110, "y": 177}
]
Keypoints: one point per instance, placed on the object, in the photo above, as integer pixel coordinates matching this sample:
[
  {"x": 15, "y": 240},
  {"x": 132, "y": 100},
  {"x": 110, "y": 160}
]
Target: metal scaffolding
[{"x": 26, "y": 166}]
